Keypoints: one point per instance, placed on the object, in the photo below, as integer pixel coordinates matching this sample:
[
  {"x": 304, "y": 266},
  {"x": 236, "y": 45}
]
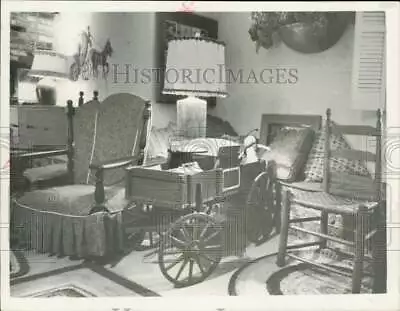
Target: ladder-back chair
[{"x": 358, "y": 198}]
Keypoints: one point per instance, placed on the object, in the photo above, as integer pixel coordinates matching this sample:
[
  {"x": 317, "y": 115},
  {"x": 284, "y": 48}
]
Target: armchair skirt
[{"x": 49, "y": 221}]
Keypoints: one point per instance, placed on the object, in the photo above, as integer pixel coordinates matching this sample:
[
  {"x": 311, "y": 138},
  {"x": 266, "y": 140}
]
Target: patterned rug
[
  {"x": 302, "y": 280},
  {"x": 262, "y": 277},
  {"x": 50, "y": 276},
  {"x": 63, "y": 291}
]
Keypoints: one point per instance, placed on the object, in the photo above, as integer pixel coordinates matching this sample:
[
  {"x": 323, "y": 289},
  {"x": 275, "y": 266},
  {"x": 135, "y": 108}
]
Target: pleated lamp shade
[
  {"x": 49, "y": 64},
  {"x": 51, "y": 67},
  {"x": 195, "y": 67}
]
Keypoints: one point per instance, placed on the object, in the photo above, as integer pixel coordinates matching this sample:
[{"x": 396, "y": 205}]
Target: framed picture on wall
[{"x": 170, "y": 25}]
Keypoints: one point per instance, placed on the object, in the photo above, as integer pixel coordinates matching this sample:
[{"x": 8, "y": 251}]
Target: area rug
[
  {"x": 63, "y": 291},
  {"x": 83, "y": 280},
  {"x": 262, "y": 277},
  {"x": 301, "y": 279}
]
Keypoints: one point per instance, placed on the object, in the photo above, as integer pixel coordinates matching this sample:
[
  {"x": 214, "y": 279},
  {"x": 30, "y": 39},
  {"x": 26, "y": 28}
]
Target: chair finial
[
  {"x": 328, "y": 114},
  {"x": 80, "y": 102},
  {"x": 378, "y": 119}
]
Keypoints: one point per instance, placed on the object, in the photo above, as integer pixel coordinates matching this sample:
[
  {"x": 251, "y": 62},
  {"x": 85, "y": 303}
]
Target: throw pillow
[
  {"x": 289, "y": 150},
  {"x": 159, "y": 141},
  {"x": 314, "y": 168}
]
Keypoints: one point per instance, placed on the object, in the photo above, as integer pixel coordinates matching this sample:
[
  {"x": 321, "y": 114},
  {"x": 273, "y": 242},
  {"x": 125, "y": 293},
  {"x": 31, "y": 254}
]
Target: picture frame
[{"x": 178, "y": 24}]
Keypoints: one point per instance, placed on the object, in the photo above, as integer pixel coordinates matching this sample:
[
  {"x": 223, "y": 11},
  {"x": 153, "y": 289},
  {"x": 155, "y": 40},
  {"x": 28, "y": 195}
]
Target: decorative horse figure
[
  {"x": 100, "y": 59},
  {"x": 80, "y": 64}
]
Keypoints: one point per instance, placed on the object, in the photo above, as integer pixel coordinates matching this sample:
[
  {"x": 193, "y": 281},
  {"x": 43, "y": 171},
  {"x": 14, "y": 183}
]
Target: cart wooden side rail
[{"x": 172, "y": 190}]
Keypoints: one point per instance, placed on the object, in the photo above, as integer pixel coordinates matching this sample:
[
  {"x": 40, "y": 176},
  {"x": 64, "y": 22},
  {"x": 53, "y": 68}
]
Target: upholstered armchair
[{"x": 83, "y": 218}]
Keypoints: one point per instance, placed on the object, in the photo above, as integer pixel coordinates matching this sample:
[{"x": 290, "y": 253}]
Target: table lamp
[
  {"x": 195, "y": 68},
  {"x": 50, "y": 66}
]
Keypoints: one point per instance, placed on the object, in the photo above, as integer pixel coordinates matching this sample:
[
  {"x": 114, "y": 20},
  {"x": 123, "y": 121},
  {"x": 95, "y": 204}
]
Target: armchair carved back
[{"x": 109, "y": 130}]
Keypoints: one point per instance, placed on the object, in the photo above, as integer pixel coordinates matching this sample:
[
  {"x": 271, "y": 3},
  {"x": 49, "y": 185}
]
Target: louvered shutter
[{"x": 368, "y": 85}]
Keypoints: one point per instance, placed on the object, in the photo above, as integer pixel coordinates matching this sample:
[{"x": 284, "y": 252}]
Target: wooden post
[
  {"x": 99, "y": 195},
  {"x": 324, "y": 229},
  {"x": 70, "y": 142},
  {"x": 327, "y": 151},
  {"x": 278, "y": 207},
  {"x": 326, "y": 176},
  {"x": 379, "y": 240},
  {"x": 143, "y": 138},
  {"x": 359, "y": 250},
  {"x": 283, "y": 239}
]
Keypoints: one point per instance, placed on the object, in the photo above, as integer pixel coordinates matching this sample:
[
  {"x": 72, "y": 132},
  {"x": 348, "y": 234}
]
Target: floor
[{"x": 132, "y": 275}]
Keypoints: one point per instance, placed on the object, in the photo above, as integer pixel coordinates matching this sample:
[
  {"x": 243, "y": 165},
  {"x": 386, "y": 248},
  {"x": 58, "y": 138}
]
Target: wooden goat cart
[{"x": 200, "y": 215}]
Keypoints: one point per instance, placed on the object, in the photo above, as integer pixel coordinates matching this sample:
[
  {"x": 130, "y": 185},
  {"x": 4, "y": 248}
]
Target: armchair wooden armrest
[
  {"x": 113, "y": 164},
  {"x": 22, "y": 155},
  {"x": 100, "y": 167}
]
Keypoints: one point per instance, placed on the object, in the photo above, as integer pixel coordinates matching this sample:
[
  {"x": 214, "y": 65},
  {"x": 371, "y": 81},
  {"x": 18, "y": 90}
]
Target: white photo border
[{"x": 385, "y": 302}]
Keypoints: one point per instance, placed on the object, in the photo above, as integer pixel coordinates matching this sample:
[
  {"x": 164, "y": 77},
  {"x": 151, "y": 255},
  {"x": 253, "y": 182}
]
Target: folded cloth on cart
[
  {"x": 204, "y": 146},
  {"x": 187, "y": 169}
]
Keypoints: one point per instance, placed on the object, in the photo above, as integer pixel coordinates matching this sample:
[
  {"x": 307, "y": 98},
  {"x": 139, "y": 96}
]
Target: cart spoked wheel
[
  {"x": 260, "y": 209},
  {"x": 191, "y": 249}
]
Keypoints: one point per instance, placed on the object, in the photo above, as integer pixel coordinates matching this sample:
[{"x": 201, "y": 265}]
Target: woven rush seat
[{"x": 328, "y": 202}]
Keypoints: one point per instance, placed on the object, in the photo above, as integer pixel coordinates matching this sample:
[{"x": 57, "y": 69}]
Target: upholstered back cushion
[
  {"x": 84, "y": 132},
  {"x": 118, "y": 132},
  {"x": 314, "y": 168},
  {"x": 289, "y": 150},
  {"x": 105, "y": 131}
]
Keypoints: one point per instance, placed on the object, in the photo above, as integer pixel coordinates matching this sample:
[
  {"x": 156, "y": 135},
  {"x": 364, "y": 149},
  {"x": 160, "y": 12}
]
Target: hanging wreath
[{"x": 316, "y": 31}]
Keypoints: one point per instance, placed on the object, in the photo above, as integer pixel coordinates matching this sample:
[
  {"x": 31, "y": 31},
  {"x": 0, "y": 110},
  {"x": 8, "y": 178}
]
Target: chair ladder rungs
[
  {"x": 321, "y": 266},
  {"x": 305, "y": 219},
  {"x": 300, "y": 245},
  {"x": 327, "y": 268},
  {"x": 324, "y": 236},
  {"x": 367, "y": 257}
]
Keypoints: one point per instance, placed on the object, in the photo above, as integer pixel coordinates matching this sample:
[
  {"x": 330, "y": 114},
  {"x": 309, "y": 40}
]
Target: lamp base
[
  {"x": 46, "y": 92},
  {"x": 192, "y": 117}
]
